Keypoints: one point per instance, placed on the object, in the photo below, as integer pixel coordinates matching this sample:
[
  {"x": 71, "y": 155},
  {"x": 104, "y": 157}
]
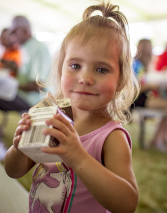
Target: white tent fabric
[
  {"x": 55, "y": 17},
  {"x": 60, "y": 13}
]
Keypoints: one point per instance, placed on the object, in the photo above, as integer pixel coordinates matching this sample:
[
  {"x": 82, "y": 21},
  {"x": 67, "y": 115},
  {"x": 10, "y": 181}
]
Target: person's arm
[
  {"x": 149, "y": 86},
  {"x": 31, "y": 86},
  {"x": 16, "y": 163},
  {"x": 113, "y": 185}
]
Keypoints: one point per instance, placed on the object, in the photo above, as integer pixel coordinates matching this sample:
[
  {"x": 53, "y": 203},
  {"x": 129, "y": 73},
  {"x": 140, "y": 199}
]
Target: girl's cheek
[
  {"x": 65, "y": 84},
  {"x": 108, "y": 88}
]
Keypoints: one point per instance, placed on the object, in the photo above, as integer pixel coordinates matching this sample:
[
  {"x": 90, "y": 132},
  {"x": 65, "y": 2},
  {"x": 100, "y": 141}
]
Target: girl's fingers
[
  {"x": 24, "y": 121},
  {"x": 60, "y": 123},
  {"x": 65, "y": 121},
  {"x": 25, "y": 115},
  {"x": 16, "y": 141},
  {"x": 20, "y": 129},
  {"x": 55, "y": 133},
  {"x": 53, "y": 150}
]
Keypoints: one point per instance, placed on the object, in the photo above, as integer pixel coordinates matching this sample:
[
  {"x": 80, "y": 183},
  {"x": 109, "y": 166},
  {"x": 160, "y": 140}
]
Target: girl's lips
[{"x": 84, "y": 93}]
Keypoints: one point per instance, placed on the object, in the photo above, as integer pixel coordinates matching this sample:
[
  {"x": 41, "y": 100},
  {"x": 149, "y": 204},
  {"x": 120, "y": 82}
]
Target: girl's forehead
[{"x": 79, "y": 41}]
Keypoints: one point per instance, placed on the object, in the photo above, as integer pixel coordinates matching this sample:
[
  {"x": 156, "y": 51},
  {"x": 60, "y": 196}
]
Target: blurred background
[{"x": 51, "y": 20}]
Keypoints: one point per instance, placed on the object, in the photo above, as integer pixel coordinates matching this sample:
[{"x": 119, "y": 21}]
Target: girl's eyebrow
[
  {"x": 74, "y": 59},
  {"x": 105, "y": 64}
]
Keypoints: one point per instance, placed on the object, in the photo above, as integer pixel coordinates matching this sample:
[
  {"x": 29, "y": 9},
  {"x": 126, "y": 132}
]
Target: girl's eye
[
  {"x": 102, "y": 70},
  {"x": 75, "y": 66}
]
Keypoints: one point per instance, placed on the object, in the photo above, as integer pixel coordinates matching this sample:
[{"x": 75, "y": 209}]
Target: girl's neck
[{"x": 86, "y": 121}]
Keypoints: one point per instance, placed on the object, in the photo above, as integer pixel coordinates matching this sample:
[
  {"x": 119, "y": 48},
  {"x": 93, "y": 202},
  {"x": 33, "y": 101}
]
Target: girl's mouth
[{"x": 84, "y": 93}]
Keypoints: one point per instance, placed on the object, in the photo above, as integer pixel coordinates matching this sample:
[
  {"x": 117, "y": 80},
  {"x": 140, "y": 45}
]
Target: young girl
[{"x": 93, "y": 70}]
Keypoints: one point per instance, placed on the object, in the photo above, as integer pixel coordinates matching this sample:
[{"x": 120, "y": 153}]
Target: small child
[
  {"x": 93, "y": 69},
  {"x": 11, "y": 58}
]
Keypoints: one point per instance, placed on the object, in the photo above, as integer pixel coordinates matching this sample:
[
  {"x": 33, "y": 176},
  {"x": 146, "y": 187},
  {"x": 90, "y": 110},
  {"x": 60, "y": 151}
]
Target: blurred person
[
  {"x": 35, "y": 59},
  {"x": 160, "y": 139},
  {"x": 161, "y": 63},
  {"x": 149, "y": 94},
  {"x": 9, "y": 63},
  {"x": 11, "y": 58},
  {"x": 141, "y": 65}
]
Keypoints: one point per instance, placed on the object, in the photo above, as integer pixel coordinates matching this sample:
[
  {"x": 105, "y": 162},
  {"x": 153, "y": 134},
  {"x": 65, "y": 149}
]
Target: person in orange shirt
[{"x": 11, "y": 58}]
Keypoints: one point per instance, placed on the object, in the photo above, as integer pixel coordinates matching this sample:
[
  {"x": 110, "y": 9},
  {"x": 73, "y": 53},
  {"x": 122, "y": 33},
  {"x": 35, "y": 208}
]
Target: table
[{"x": 14, "y": 197}]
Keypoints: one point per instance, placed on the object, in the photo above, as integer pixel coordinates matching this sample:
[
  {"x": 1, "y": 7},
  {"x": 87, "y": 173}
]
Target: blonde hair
[{"x": 113, "y": 25}]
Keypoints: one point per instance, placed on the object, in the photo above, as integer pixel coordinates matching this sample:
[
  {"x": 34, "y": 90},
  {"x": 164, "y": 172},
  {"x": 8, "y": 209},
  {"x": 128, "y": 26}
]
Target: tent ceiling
[{"x": 55, "y": 15}]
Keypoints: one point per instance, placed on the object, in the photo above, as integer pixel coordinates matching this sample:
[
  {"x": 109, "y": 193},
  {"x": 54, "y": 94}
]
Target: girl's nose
[{"x": 86, "y": 80}]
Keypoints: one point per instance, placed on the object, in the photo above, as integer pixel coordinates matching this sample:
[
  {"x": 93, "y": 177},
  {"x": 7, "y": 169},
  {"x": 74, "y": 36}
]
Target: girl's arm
[
  {"x": 16, "y": 163},
  {"x": 113, "y": 185}
]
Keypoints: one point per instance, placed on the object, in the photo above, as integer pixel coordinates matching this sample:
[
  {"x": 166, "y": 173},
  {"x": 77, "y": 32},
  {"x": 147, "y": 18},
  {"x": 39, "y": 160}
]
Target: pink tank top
[{"x": 56, "y": 188}]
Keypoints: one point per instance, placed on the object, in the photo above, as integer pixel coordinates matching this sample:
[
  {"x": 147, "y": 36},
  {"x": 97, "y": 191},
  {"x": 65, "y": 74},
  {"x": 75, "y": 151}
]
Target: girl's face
[{"x": 90, "y": 73}]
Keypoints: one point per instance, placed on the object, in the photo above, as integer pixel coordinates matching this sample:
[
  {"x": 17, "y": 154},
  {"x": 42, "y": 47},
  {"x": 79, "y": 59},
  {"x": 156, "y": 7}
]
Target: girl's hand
[
  {"x": 23, "y": 125},
  {"x": 70, "y": 148}
]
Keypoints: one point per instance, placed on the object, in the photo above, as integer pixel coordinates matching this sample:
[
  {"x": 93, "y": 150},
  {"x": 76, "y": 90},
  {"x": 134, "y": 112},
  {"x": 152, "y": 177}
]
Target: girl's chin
[
  {"x": 84, "y": 108},
  {"x": 89, "y": 107}
]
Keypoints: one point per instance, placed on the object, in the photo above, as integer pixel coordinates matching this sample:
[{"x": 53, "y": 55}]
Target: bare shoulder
[
  {"x": 117, "y": 155},
  {"x": 117, "y": 143}
]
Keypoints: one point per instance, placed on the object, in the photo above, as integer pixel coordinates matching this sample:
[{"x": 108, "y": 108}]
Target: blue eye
[
  {"x": 75, "y": 66},
  {"x": 101, "y": 70}
]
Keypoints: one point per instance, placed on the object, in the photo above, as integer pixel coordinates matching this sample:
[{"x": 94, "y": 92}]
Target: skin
[{"x": 90, "y": 77}]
